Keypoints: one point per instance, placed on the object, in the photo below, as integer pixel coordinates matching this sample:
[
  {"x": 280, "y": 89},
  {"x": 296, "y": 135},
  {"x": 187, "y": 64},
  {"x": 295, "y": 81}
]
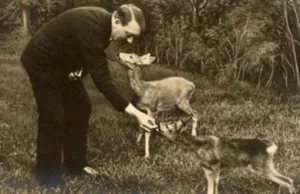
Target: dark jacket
[{"x": 73, "y": 40}]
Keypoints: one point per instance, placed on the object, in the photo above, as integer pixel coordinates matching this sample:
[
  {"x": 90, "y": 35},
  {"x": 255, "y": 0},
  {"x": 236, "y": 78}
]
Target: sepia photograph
[{"x": 150, "y": 96}]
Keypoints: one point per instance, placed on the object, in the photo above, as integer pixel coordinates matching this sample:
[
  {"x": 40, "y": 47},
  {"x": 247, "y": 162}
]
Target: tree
[
  {"x": 25, "y": 7},
  {"x": 17, "y": 12},
  {"x": 197, "y": 5}
]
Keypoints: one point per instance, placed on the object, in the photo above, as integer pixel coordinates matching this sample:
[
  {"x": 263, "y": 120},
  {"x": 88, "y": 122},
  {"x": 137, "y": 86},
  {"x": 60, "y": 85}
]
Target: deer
[
  {"x": 158, "y": 95},
  {"x": 218, "y": 153}
]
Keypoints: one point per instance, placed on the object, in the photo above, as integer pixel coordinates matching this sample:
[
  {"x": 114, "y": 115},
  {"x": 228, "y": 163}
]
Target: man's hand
[{"x": 146, "y": 122}]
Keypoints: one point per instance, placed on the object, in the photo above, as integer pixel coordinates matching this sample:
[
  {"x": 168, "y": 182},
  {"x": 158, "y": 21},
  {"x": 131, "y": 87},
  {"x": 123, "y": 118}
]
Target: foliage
[
  {"x": 11, "y": 12},
  {"x": 228, "y": 40},
  {"x": 243, "y": 48}
]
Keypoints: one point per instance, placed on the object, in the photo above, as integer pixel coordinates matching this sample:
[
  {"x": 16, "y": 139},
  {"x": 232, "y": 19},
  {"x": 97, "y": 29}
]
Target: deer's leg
[
  {"x": 185, "y": 106},
  {"x": 140, "y": 135},
  {"x": 194, "y": 125},
  {"x": 268, "y": 171},
  {"x": 147, "y": 141},
  {"x": 209, "y": 174},
  {"x": 147, "y": 137}
]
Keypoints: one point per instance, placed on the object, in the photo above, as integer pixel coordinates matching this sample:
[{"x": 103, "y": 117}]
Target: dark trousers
[{"x": 64, "y": 109}]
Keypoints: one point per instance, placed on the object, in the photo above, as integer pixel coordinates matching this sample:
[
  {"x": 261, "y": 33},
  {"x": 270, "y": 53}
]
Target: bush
[{"x": 230, "y": 40}]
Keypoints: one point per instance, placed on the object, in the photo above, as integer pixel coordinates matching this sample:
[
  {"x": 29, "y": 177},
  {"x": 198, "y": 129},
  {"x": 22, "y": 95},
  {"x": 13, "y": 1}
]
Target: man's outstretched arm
[{"x": 97, "y": 66}]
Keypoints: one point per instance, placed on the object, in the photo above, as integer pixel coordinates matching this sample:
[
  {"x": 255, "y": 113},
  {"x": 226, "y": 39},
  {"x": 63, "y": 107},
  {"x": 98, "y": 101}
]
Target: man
[{"x": 58, "y": 55}]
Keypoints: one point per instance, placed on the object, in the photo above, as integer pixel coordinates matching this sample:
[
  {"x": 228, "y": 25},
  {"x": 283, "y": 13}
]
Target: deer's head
[{"x": 132, "y": 60}]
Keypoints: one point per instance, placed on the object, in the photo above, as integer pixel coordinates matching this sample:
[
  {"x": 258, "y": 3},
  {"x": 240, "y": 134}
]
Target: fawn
[{"x": 160, "y": 95}]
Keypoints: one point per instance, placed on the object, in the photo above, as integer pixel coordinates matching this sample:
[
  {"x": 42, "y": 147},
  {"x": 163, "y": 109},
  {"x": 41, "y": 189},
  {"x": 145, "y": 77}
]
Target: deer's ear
[
  {"x": 144, "y": 59},
  {"x": 147, "y": 59},
  {"x": 146, "y": 55},
  {"x": 151, "y": 59}
]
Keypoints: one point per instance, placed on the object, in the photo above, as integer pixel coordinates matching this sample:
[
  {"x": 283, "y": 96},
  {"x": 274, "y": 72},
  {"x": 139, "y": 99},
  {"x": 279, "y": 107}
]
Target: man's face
[{"x": 124, "y": 34}]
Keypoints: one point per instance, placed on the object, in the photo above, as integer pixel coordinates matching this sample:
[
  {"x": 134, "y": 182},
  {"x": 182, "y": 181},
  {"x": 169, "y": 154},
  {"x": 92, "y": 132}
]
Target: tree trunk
[
  {"x": 176, "y": 52},
  {"x": 292, "y": 44},
  {"x": 48, "y": 5},
  {"x": 259, "y": 76},
  {"x": 237, "y": 78},
  {"x": 181, "y": 60},
  {"x": 285, "y": 76},
  {"x": 167, "y": 55},
  {"x": 195, "y": 13},
  {"x": 197, "y": 7},
  {"x": 162, "y": 56},
  {"x": 26, "y": 19},
  {"x": 157, "y": 53},
  {"x": 269, "y": 82}
]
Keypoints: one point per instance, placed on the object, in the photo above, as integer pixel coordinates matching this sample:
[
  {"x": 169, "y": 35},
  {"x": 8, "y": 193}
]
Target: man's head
[{"x": 128, "y": 22}]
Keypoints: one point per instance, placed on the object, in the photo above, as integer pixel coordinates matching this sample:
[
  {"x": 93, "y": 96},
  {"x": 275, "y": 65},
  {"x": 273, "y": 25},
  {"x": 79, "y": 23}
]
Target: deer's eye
[{"x": 130, "y": 57}]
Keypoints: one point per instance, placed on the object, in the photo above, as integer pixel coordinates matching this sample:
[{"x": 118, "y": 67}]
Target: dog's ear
[
  {"x": 184, "y": 124},
  {"x": 186, "y": 119}
]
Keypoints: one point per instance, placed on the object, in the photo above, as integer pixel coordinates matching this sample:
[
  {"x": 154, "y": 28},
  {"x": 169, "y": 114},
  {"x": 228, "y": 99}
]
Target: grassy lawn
[{"x": 232, "y": 111}]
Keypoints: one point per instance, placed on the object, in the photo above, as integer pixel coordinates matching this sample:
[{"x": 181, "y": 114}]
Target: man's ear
[{"x": 117, "y": 21}]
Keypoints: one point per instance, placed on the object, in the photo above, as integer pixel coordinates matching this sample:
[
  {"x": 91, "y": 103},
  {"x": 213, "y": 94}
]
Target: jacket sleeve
[{"x": 97, "y": 66}]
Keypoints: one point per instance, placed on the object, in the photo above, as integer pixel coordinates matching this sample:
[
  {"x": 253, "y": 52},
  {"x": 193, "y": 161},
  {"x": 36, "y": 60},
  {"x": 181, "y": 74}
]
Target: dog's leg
[
  {"x": 281, "y": 180},
  {"x": 268, "y": 172}
]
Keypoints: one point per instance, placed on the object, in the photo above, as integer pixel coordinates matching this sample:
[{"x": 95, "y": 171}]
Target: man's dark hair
[{"x": 124, "y": 15}]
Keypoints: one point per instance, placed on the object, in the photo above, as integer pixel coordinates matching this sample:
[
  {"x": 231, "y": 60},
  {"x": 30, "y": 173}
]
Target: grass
[{"x": 236, "y": 110}]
